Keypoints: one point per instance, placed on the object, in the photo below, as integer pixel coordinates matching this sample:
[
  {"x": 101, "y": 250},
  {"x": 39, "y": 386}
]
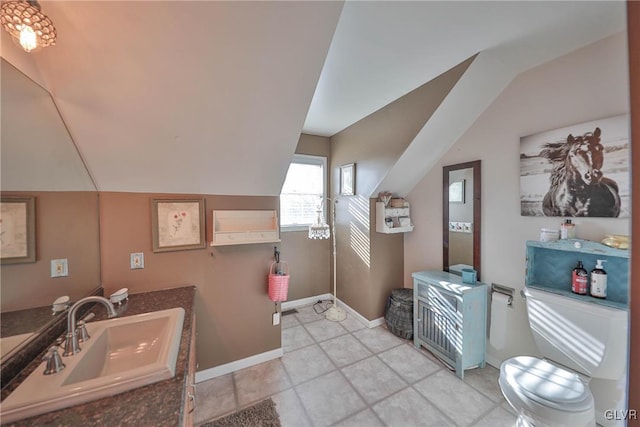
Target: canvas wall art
[{"x": 577, "y": 171}]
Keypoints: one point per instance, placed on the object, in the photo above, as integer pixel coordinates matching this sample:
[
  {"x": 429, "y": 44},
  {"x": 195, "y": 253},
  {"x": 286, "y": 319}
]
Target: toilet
[{"x": 579, "y": 340}]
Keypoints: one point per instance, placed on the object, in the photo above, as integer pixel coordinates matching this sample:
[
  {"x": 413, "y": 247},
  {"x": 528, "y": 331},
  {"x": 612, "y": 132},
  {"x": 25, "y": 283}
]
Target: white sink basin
[{"x": 122, "y": 354}]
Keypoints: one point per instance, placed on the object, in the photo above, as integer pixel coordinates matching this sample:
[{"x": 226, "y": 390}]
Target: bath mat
[{"x": 262, "y": 414}]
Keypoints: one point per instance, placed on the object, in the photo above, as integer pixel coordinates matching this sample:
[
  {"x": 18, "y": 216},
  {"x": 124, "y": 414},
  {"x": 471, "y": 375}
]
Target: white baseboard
[
  {"x": 493, "y": 361},
  {"x": 288, "y": 305},
  {"x": 227, "y": 368},
  {"x": 368, "y": 323}
]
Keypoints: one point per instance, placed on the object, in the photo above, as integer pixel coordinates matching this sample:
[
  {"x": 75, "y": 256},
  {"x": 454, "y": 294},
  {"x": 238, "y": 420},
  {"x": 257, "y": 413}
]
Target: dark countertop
[{"x": 159, "y": 404}]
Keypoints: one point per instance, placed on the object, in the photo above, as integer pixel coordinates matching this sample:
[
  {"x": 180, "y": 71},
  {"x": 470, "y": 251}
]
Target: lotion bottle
[
  {"x": 599, "y": 281},
  {"x": 579, "y": 280}
]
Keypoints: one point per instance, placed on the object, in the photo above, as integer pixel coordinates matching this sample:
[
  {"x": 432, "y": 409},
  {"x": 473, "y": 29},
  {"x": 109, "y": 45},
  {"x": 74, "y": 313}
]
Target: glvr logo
[{"x": 621, "y": 414}]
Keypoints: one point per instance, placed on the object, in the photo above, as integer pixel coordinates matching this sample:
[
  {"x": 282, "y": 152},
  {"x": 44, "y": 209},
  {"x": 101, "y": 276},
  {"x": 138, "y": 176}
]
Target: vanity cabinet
[
  {"x": 450, "y": 318},
  {"x": 391, "y": 220},
  {"x": 190, "y": 388}
]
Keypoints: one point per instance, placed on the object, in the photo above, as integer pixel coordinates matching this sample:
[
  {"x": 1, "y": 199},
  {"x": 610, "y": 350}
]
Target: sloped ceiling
[
  {"x": 187, "y": 97},
  {"x": 383, "y": 49},
  {"x": 211, "y": 96}
]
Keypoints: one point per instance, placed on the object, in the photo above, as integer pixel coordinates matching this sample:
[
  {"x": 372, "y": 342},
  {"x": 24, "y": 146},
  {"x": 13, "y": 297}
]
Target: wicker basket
[
  {"x": 278, "y": 283},
  {"x": 399, "y": 313}
]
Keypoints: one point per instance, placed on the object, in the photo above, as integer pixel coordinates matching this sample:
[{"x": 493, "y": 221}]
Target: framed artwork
[
  {"x": 177, "y": 224},
  {"x": 348, "y": 179},
  {"x": 579, "y": 170},
  {"x": 456, "y": 191},
  {"x": 17, "y": 230}
]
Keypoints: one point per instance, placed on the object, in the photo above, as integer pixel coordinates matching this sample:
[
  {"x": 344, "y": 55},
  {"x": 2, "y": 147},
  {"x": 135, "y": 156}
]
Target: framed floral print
[
  {"x": 177, "y": 224},
  {"x": 17, "y": 229}
]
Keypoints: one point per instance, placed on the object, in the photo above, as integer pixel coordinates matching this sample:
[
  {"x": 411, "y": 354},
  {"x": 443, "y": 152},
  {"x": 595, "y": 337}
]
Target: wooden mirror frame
[{"x": 477, "y": 207}]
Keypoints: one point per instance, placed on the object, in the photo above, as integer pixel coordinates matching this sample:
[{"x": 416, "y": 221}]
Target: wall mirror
[
  {"x": 39, "y": 159},
  {"x": 461, "y": 217}
]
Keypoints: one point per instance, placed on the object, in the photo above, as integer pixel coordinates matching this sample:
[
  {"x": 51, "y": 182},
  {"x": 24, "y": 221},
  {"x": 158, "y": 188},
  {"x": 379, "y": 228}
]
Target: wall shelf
[
  {"x": 393, "y": 220},
  {"x": 245, "y": 227},
  {"x": 549, "y": 267}
]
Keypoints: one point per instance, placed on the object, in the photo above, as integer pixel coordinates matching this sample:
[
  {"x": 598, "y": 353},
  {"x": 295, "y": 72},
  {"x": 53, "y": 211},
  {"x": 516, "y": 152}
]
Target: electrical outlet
[
  {"x": 59, "y": 268},
  {"x": 137, "y": 260},
  {"x": 276, "y": 318}
]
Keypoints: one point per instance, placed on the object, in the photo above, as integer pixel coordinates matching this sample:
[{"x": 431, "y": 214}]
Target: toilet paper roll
[{"x": 498, "y": 331}]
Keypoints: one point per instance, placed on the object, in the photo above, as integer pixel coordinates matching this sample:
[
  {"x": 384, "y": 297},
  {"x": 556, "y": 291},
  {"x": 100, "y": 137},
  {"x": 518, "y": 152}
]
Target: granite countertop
[{"x": 159, "y": 404}]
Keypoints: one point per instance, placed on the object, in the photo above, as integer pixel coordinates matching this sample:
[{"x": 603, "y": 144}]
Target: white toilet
[{"x": 579, "y": 341}]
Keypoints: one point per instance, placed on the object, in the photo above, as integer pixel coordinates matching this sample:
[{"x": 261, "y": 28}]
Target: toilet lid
[{"x": 547, "y": 384}]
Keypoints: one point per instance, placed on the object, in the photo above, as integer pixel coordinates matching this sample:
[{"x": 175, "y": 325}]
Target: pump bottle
[
  {"x": 599, "y": 281},
  {"x": 579, "y": 280}
]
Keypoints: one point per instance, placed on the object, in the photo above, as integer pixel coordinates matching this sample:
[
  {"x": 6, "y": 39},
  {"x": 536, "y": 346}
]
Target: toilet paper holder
[{"x": 504, "y": 290}]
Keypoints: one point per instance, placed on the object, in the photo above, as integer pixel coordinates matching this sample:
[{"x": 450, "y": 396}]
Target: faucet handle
[
  {"x": 71, "y": 346},
  {"x": 81, "y": 330},
  {"x": 54, "y": 361}
]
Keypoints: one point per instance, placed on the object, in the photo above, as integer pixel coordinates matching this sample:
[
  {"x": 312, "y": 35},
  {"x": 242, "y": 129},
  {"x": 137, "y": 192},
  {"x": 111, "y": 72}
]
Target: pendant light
[{"x": 27, "y": 24}]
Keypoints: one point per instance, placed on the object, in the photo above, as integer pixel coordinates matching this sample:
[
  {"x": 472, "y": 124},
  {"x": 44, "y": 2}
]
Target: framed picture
[
  {"x": 17, "y": 230},
  {"x": 177, "y": 224},
  {"x": 578, "y": 170},
  {"x": 456, "y": 191},
  {"x": 348, "y": 179}
]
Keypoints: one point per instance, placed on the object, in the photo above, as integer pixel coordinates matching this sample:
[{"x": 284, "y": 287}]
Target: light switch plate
[
  {"x": 137, "y": 260},
  {"x": 59, "y": 268}
]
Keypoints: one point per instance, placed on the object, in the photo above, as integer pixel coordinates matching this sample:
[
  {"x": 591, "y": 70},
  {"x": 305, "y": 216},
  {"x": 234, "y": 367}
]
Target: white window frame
[{"x": 309, "y": 160}]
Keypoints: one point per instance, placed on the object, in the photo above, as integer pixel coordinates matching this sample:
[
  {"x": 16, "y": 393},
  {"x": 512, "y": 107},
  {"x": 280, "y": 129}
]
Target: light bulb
[{"x": 27, "y": 38}]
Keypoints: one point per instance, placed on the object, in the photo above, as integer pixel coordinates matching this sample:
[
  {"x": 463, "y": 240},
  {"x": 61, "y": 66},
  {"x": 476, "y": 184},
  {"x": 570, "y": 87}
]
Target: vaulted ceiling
[{"x": 211, "y": 97}]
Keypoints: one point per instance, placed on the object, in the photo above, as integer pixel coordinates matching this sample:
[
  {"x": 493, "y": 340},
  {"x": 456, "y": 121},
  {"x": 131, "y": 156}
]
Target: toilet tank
[{"x": 584, "y": 336}]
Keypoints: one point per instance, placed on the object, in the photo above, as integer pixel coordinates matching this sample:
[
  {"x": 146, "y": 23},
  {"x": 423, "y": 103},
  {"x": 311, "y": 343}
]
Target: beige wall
[
  {"x": 369, "y": 265},
  {"x": 66, "y": 227},
  {"x": 233, "y": 311},
  {"x": 309, "y": 260},
  {"x": 571, "y": 89}
]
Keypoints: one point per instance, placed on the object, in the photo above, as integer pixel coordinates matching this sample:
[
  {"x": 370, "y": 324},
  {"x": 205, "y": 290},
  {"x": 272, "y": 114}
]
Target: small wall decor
[
  {"x": 17, "y": 230},
  {"x": 177, "y": 224},
  {"x": 348, "y": 179},
  {"x": 456, "y": 191},
  {"x": 580, "y": 170}
]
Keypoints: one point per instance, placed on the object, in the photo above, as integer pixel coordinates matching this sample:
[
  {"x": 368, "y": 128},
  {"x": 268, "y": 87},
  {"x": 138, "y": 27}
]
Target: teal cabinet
[
  {"x": 450, "y": 318},
  {"x": 549, "y": 267}
]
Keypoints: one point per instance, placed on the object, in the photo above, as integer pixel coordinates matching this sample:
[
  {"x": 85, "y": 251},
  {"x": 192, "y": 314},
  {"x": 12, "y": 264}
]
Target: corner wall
[
  {"x": 369, "y": 264},
  {"x": 588, "y": 84},
  {"x": 309, "y": 260}
]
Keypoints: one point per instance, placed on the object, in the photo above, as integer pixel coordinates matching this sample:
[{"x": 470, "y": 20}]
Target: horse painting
[{"x": 578, "y": 187}]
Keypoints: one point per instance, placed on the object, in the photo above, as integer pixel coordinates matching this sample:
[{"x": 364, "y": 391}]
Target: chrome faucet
[{"x": 71, "y": 345}]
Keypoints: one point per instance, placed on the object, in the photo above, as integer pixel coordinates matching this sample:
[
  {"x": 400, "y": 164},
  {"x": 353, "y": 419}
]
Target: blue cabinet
[
  {"x": 450, "y": 318},
  {"x": 549, "y": 267}
]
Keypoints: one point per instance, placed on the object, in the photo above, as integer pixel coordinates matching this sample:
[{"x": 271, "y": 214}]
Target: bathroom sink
[{"x": 122, "y": 354}]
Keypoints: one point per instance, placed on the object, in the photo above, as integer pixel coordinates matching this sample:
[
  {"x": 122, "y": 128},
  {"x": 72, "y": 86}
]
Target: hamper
[{"x": 399, "y": 313}]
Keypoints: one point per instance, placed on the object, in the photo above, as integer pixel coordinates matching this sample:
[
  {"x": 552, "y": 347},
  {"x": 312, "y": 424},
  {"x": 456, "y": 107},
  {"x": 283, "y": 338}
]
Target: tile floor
[{"x": 344, "y": 374}]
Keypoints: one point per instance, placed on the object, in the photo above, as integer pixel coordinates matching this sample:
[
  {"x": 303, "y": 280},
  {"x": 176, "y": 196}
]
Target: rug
[{"x": 262, "y": 414}]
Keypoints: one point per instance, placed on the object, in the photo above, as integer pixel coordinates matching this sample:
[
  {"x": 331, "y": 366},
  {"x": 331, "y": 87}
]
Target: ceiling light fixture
[{"x": 27, "y": 24}]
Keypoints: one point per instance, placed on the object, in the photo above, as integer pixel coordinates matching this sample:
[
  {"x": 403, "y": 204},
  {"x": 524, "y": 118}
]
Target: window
[{"x": 303, "y": 189}]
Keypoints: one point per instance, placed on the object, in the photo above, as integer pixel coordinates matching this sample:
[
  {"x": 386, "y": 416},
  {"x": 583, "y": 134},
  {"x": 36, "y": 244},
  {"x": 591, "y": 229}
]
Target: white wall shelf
[
  {"x": 245, "y": 227},
  {"x": 393, "y": 220}
]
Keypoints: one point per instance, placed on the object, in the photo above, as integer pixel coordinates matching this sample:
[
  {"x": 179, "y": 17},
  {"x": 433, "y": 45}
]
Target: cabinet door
[{"x": 438, "y": 328}]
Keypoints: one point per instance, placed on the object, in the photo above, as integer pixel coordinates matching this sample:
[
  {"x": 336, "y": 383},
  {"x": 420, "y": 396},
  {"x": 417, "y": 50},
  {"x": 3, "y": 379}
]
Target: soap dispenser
[{"x": 599, "y": 281}]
